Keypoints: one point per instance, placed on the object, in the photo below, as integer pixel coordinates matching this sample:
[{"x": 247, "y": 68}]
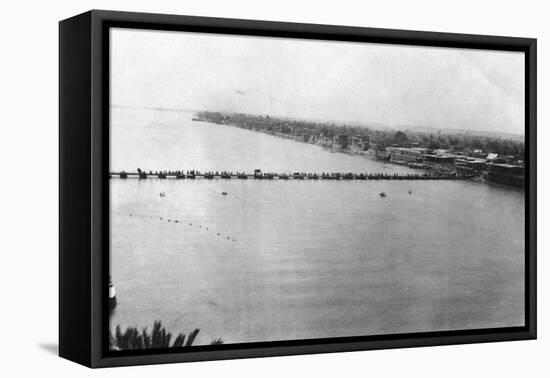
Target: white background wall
[{"x": 29, "y": 190}]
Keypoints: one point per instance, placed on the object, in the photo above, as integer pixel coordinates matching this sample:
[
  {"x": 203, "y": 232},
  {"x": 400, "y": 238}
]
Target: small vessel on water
[
  {"x": 383, "y": 194},
  {"x": 112, "y": 295},
  {"x": 224, "y": 193},
  {"x": 162, "y": 194}
]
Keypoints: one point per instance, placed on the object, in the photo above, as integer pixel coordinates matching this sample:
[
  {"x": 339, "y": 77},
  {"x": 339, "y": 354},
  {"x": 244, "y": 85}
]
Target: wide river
[{"x": 280, "y": 260}]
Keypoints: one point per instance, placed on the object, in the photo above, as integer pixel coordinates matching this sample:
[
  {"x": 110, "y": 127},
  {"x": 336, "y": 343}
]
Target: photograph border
[{"x": 84, "y": 207}]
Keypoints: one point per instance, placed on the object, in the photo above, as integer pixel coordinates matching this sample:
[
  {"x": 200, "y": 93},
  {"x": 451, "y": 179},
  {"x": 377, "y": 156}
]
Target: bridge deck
[{"x": 283, "y": 176}]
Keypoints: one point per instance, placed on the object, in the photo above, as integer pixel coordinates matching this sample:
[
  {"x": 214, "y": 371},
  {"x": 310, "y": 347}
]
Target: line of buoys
[{"x": 177, "y": 221}]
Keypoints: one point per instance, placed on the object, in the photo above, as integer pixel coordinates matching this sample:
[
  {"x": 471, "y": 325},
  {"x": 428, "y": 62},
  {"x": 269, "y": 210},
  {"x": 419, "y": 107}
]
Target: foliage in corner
[{"x": 133, "y": 339}]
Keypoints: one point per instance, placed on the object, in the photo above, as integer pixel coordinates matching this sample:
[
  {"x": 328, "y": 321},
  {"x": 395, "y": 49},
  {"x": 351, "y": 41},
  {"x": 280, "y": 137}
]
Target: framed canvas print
[{"x": 234, "y": 188}]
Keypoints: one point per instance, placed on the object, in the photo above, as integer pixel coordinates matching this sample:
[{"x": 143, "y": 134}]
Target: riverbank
[{"x": 399, "y": 150}]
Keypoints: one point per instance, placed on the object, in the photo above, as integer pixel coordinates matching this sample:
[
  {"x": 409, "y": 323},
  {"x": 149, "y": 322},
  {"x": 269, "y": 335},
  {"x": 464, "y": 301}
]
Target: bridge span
[{"x": 258, "y": 175}]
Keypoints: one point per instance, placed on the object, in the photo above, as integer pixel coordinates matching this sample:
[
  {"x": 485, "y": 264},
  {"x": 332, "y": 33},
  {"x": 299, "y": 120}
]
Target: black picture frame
[{"x": 84, "y": 200}]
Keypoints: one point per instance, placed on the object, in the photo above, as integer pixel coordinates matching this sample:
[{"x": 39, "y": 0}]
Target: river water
[{"x": 281, "y": 260}]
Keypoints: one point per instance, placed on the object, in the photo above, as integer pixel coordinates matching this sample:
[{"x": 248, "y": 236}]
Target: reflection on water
[{"x": 276, "y": 260}]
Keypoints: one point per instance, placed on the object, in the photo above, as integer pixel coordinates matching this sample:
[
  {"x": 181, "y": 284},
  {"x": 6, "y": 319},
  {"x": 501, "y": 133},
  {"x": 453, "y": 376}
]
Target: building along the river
[
  {"x": 444, "y": 162},
  {"x": 406, "y": 155},
  {"x": 340, "y": 141},
  {"x": 508, "y": 174},
  {"x": 378, "y": 148},
  {"x": 469, "y": 166},
  {"x": 359, "y": 144}
]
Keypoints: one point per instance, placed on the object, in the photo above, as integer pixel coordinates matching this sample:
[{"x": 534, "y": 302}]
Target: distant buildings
[
  {"x": 378, "y": 148},
  {"x": 340, "y": 141},
  {"x": 502, "y": 161},
  {"x": 470, "y": 166},
  {"x": 406, "y": 155},
  {"x": 508, "y": 174},
  {"x": 441, "y": 162},
  {"x": 359, "y": 144}
]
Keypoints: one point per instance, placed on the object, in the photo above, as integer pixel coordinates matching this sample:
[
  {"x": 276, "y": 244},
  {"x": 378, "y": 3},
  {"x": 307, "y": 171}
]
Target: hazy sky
[{"x": 391, "y": 84}]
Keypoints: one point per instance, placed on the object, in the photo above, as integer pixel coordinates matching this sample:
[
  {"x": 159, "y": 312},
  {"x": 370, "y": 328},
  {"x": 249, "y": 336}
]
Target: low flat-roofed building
[
  {"x": 468, "y": 166},
  {"x": 508, "y": 174},
  {"x": 444, "y": 163},
  {"x": 406, "y": 155},
  {"x": 340, "y": 141}
]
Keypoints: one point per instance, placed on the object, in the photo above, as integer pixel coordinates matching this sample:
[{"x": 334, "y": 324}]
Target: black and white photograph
[{"x": 274, "y": 189}]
